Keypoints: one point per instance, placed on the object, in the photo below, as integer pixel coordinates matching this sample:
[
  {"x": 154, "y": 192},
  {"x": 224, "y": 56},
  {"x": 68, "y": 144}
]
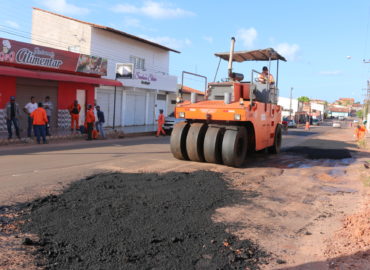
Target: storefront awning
[{"x": 55, "y": 76}]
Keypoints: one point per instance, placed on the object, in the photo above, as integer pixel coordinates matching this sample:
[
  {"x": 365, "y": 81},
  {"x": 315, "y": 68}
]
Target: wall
[
  {"x": 118, "y": 49},
  {"x": 58, "y": 32},
  {"x": 66, "y": 96},
  {"x": 285, "y": 103},
  {"x": 67, "y": 93},
  {"x": 7, "y": 89}
]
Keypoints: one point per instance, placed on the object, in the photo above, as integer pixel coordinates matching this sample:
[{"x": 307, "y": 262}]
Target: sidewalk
[{"x": 66, "y": 134}]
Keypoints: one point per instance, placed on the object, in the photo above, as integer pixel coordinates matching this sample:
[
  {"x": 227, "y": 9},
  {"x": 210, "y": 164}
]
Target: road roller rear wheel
[
  {"x": 195, "y": 141},
  {"x": 212, "y": 145},
  {"x": 275, "y": 148},
  {"x": 178, "y": 140},
  {"x": 234, "y": 146}
]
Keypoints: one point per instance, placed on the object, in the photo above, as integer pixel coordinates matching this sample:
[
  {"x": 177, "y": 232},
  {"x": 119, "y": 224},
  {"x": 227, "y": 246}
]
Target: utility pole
[
  {"x": 367, "y": 117},
  {"x": 290, "y": 105}
]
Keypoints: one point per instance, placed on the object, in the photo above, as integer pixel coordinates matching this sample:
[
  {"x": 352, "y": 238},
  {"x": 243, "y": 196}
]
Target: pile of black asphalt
[
  {"x": 319, "y": 153},
  {"x": 140, "y": 221}
]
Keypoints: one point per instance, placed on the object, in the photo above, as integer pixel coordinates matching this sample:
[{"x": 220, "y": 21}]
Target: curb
[{"x": 72, "y": 137}]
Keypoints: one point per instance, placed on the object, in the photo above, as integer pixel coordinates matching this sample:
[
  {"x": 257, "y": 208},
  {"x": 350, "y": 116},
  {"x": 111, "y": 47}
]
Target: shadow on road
[
  {"x": 300, "y": 133},
  {"x": 358, "y": 261}
]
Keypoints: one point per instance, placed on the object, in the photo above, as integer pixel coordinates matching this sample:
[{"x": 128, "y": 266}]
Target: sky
[{"x": 325, "y": 42}]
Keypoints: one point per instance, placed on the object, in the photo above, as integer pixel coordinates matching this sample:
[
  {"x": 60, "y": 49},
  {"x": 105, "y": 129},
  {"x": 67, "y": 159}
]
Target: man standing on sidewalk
[
  {"x": 48, "y": 106},
  {"x": 100, "y": 122},
  {"x": 90, "y": 121},
  {"x": 40, "y": 120},
  {"x": 28, "y": 109},
  {"x": 12, "y": 116},
  {"x": 74, "y": 110}
]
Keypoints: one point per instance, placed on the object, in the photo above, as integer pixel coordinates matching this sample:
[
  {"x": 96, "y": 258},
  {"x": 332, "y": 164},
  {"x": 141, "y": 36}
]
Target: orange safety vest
[
  {"x": 360, "y": 132},
  {"x": 39, "y": 116},
  {"x": 161, "y": 119},
  {"x": 90, "y": 117}
]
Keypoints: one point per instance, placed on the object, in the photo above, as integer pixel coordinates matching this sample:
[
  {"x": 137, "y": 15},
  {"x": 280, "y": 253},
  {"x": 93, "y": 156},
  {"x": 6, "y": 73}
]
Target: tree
[
  {"x": 360, "y": 113},
  {"x": 303, "y": 99}
]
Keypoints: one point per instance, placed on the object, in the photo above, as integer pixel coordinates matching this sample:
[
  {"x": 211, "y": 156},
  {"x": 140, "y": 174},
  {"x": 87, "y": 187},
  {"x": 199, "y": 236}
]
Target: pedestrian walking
[
  {"x": 28, "y": 109},
  {"x": 160, "y": 123},
  {"x": 90, "y": 120},
  {"x": 12, "y": 117},
  {"x": 48, "y": 106},
  {"x": 40, "y": 120},
  {"x": 100, "y": 122},
  {"x": 74, "y": 110}
]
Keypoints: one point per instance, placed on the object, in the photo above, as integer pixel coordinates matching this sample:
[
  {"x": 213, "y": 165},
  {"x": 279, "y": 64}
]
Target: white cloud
[
  {"x": 132, "y": 22},
  {"x": 154, "y": 10},
  {"x": 12, "y": 24},
  {"x": 208, "y": 39},
  {"x": 289, "y": 51},
  {"x": 170, "y": 42},
  {"x": 331, "y": 73},
  {"x": 61, "y": 6},
  {"x": 247, "y": 36},
  {"x": 136, "y": 23}
]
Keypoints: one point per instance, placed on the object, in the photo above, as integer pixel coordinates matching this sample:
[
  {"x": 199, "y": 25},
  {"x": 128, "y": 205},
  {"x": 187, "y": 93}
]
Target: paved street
[
  {"x": 29, "y": 171},
  {"x": 293, "y": 203}
]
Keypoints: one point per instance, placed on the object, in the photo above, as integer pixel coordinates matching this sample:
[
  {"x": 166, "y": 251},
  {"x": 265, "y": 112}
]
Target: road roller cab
[{"x": 236, "y": 118}]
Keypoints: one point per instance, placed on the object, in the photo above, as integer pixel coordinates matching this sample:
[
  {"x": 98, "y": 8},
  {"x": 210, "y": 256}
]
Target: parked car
[
  {"x": 292, "y": 124},
  {"x": 170, "y": 121},
  {"x": 336, "y": 124},
  {"x": 315, "y": 122}
]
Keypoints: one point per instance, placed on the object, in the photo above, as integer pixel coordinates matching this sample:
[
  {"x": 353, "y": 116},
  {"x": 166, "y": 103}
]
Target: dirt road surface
[{"x": 307, "y": 207}]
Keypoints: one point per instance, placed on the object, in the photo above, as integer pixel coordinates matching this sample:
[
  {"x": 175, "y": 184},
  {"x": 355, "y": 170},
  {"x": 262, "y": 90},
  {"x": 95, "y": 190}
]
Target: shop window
[
  {"x": 173, "y": 101},
  {"x": 139, "y": 63}
]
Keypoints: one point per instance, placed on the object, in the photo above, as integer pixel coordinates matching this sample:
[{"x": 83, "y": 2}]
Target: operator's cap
[{"x": 12, "y": 98}]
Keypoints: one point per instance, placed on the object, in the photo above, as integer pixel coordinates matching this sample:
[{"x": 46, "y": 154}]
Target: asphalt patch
[
  {"x": 319, "y": 153},
  {"x": 140, "y": 221}
]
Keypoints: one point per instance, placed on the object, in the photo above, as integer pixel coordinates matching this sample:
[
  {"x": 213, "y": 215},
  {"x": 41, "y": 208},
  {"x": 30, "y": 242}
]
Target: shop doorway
[
  {"x": 81, "y": 98},
  {"x": 25, "y": 88}
]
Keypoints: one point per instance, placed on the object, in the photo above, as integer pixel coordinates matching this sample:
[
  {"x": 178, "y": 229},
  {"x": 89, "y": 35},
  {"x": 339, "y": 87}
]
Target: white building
[
  {"x": 285, "y": 103},
  {"x": 317, "y": 110},
  {"x": 142, "y": 95}
]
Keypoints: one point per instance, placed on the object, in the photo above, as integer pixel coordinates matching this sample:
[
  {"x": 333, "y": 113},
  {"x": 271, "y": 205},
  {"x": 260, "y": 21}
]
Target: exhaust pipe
[{"x": 230, "y": 67}]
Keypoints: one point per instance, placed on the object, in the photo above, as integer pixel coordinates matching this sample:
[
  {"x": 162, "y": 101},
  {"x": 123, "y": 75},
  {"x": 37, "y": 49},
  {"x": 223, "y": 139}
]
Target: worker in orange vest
[
  {"x": 40, "y": 119},
  {"x": 74, "y": 110},
  {"x": 90, "y": 121},
  {"x": 160, "y": 123},
  {"x": 360, "y": 132}
]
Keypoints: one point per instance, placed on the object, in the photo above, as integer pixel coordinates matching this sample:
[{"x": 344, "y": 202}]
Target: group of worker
[
  {"x": 38, "y": 117},
  {"x": 94, "y": 118}
]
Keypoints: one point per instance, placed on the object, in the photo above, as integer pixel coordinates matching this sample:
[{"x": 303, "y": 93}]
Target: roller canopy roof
[{"x": 256, "y": 55}]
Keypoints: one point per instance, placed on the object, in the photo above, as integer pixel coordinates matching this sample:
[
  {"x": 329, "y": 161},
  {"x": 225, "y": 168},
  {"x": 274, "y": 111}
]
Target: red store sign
[{"x": 19, "y": 53}]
